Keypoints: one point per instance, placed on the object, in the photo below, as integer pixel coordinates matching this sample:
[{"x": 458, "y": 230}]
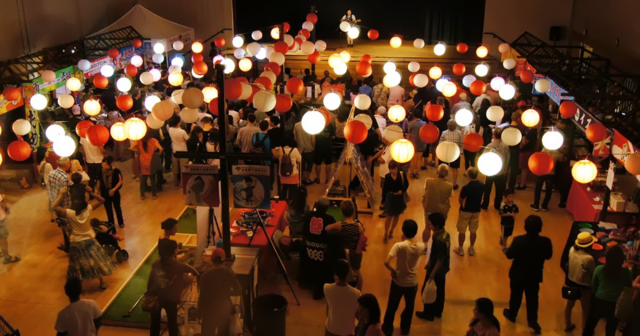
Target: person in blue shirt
[{"x": 365, "y": 89}]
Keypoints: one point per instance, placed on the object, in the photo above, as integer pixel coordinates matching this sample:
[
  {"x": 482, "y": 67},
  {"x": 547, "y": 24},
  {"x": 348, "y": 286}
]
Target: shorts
[
  {"x": 4, "y": 233},
  {"x": 468, "y": 220},
  {"x": 507, "y": 230},
  {"x": 455, "y": 164},
  {"x": 307, "y": 161},
  {"x": 524, "y": 159},
  {"x": 323, "y": 156}
]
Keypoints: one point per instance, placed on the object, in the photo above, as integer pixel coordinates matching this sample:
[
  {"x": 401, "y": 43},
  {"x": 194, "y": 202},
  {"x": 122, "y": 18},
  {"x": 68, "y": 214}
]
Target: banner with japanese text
[
  {"x": 9, "y": 105},
  {"x": 251, "y": 186}
]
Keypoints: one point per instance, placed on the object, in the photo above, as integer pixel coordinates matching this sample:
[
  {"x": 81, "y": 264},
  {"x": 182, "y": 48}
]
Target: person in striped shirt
[{"x": 453, "y": 134}]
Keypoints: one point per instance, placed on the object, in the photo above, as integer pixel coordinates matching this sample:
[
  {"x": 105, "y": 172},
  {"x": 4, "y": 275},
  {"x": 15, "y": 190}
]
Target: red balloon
[
  {"x": 366, "y": 58},
  {"x": 232, "y": 89},
  {"x": 284, "y": 103},
  {"x": 541, "y": 163},
  {"x": 19, "y": 150},
  {"x": 314, "y": 58},
  {"x": 213, "y": 106},
  {"x": 281, "y": 47},
  {"x": 411, "y": 79},
  {"x": 526, "y": 76},
  {"x": 459, "y": 69},
  {"x": 243, "y": 79},
  {"x": 462, "y": 48},
  {"x": 131, "y": 70},
  {"x": 254, "y": 89},
  {"x": 568, "y": 109},
  {"x": 429, "y": 133},
  {"x": 363, "y": 68},
  {"x": 200, "y": 68},
  {"x": 373, "y": 34},
  {"x": 312, "y": 17},
  {"x": 82, "y": 127},
  {"x": 98, "y": 135},
  {"x": 477, "y": 87},
  {"x": 304, "y": 32},
  {"x": 327, "y": 115},
  {"x": 100, "y": 81},
  {"x": 355, "y": 131},
  {"x": 124, "y": 102},
  {"x": 273, "y": 66},
  {"x": 596, "y": 132},
  {"x": 473, "y": 142},
  {"x": 11, "y": 93},
  {"x": 113, "y": 53},
  {"x": 435, "y": 112},
  {"x": 286, "y": 27},
  {"x": 266, "y": 82},
  {"x": 296, "y": 40},
  {"x": 136, "y": 43},
  {"x": 220, "y": 42},
  {"x": 195, "y": 58},
  {"x": 295, "y": 85}
]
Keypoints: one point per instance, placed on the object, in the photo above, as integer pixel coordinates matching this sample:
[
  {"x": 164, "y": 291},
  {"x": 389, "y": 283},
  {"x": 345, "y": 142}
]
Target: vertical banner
[
  {"x": 31, "y": 114},
  {"x": 200, "y": 185},
  {"x": 251, "y": 186}
]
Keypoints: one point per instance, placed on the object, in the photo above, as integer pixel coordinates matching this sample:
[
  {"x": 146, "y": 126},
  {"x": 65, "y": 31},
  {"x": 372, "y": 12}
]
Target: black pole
[
  {"x": 313, "y": 65},
  {"x": 224, "y": 176}
]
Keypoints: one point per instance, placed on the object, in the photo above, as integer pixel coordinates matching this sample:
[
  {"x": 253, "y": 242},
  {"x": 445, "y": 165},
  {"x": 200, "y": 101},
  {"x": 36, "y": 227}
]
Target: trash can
[{"x": 270, "y": 315}]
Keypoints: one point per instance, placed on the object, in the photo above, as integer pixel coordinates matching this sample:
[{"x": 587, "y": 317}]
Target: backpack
[
  {"x": 258, "y": 145},
  {"x": 286, "y": 166}
]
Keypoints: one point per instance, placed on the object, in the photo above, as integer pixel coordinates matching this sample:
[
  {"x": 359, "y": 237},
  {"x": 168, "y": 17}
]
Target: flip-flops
[{"x": 11, "y": 260}]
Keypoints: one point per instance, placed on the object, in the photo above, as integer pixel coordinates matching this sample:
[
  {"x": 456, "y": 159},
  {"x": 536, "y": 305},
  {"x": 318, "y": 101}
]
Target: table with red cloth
[
  {"x": 277, "y": 222},
  {"x": 581, "y": 203}
]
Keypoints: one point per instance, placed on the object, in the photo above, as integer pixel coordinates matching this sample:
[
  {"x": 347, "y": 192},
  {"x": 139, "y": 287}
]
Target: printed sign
[
  {"x": 8, "y": 105},
  {"x": 96, "y": 64},
  {"x": 251, "y": 186},
  {"x": 622, "y": 147},
  {"x": 61, "y": 78},
  {"x": 200, "y": 185}
]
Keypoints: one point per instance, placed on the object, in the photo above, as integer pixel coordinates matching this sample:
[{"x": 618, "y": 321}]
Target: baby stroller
[{"x": 104, "y": 235}]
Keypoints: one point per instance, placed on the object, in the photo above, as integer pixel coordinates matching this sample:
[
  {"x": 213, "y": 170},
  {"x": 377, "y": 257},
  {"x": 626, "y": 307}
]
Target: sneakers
[
  {"x": 543, "y": 209},
  {"x": 459, "y": 251},
  {"x": 534, "y": 207},
  {"x": 471, "y": 251},
  {"x": 521, "y": 187},
  {"x": 383, "y": 215},
  {"x": 455, "y": 187}
]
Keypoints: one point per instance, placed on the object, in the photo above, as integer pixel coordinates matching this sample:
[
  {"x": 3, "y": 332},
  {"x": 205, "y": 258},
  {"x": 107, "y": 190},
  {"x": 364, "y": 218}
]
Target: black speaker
[{"x": 555, "y": 33}]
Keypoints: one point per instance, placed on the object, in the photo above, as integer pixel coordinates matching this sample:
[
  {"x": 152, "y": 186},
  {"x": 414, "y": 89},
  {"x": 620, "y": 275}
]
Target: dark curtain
[{"x": 454, "y": 21}]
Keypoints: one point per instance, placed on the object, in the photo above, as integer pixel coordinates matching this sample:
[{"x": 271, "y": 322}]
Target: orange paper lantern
[
  {"x": 131, "y": 70},
  {"x": 82, "y": 127},
  {"x": 435, "y": 112},
  {"x": 314, "y": 57},
  {"x": 281, "y": 47},
  {"x": 266, "y": 82},
  {"x": 232, "y": 89},
  {"x": 213, "y": 106},
  {"x": 355, "y": 131},
  {"x": 19, "y": 150},
  {"x": 312, "y": 17},
  {"x": 98, "y": 135},
  {"x": 295, "y": 85},
  {"x": 429, "y": 133},
  {"x": 284, "y": 103},
  {"x": 113, "y": 53},
  {"x": 596, "y": 132},
  {"x": 136, "y": 43},
  {"x": 195, "y": 58},
  {"x": 304, "y": 32},
  {"x": 477, "y": 87},
  {"x": 363, "y": 68},
  {"x": 526, "y": 76},
  {"x": 459, "y": 69},
  {"x": 100, "y": 81},
  {"x": 373, "y": 34},
  {"x": 327, "y": 115},
  {"x": 413, "y": 75},
  {"x": 473, "y": 142},
  {"x": 366, "y": 58},
  {"x": 273, "y": 67},
  {"x": 541, "y": 163},
  {"x": 220, "y": 42},
  {"x": 286, "y": 27},
  {"x": 568, "y": 109},
  {"x": 462, "y": 48},
  {"x": 200, "y": 68},
  {"x": 124, "y": 102},
  {"x": 11, "y": 93}
]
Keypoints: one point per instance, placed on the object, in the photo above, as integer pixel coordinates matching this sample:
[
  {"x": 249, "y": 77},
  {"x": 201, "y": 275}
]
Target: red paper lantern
[
  {"x": 297, "y": 40},
  {"x": 355, "y": 131},
  {"x": 274, "y": 67},
  {"x": 363, "y": 68},
  {"x": 526, "y": 76},
  {"x": 411, "y": 79},
  {"x": 435, "y": 112},
  {"x": 243, "y": 79},
  {"x": 200, "y": 68},
  {"x": 312, "y": 17},
  {"x": 213, "y": 106},
  {"x": 266, "y": 82},
  {"x": 220, "y": 42},
  {"x": 124, "y": 102},
  {"x": 19, "y": 150},
  {"x": 281, "y": 47},
  {"x": 131, "y": 70},
  {"x": 473, "y": 142},
  {"x": 459, "y": 69},
  {"x": 314, "y": 58},
  {"x": 254, "y": 89},
  {"x": 284, "y": 103},
  {"x": 429, "y": 133},
  {"x": 366, "y": 58},
  {"x": 113, "y": 53},
  {"x": 286, "y": 27},
  {"x": 462, "y": 48},
  {"x": 596, "y": 132},
  {"x": 373, "y": 34},
  {"x": 136, "y": 43},
  {"x": 477, "y": 87},
  {"x": 98, "y": 135},
  {"x": 305, "y": 32},
  {"x": 100, "y": 81},
  {"x": 295, "y": 85},
  {"x": 11, "y": 93},
  {"x": 232, "y": 89},
  {"x": 195, "y": 58},
  {"x": 541, "y": 163},
  {"x": 568, "y": 109},
  {"x": 82, "y": 127},
  {"x": 327, "y": 115}
]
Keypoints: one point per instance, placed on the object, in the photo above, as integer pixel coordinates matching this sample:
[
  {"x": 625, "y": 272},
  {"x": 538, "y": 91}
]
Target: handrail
[
  {"x": 208, "y": 39},
  {"x": 496, "y": 36}
]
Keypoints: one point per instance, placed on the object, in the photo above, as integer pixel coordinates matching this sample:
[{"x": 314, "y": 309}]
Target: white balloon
[
  {"x": 391, "y": 79},
  {"x": 439, "y": 49},
  {"x": 344, "y": 26},
  {"x": 239, "y": 53},
  {"x": 448, "y": 151},
  {"x": 496, "y": 83},
  {"x": 542, "y": 85},
  {"x": 189, "y": 115},
  {"x": 418, "y": 43},
  {"x": 313, "y": 122},
  {"x": 507, "y": 92},
  {"x": 511, "y": 136},
  {"x": 389, "y": 67},
  {"x": 262, "y": 54},
  {"x": 307, "y": 48},
  {"x": 321, "y": 45},
  {"x": 552, "y": 140},
  {"x": 146, "y": 78},
  {"x": 464, "y": 117},
  {"x": 177, "y": 45},
  {"x": 468, "y": 79},
  {"x": 362, "y": 102},
  {"x": 237, "y": 41},
  {"x": 495, "y": 113},
  {"x": 365, "y": 119},
  {"x": 256, "y": 35},
  {"x": 64, "y": 146},
  {"x": 277, "y": 57},
  {"x": 308, "y": 25},
  {"x": 264, "y": 101},
  {"x": 288, "y": 39},
  {"x": 158, "y": 48},
  {"x": 53, "y": 132},
  {"x": 107, "y": 70},
  {"x": 490, "y": 163},
  {"x": 414, "y": 66},
  {"x": 509, "y": 63},
  {"x": 482, "y": 70},
  {"x": 253, "y": 49},
  {"x": 84, "y": 65},
  {"x": 421, "y": 80},
  {"x": 157, "y": 58}
]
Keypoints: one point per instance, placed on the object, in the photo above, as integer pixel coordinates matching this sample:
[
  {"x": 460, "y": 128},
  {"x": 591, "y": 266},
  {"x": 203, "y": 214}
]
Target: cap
[{"x": 218, "y": 255}]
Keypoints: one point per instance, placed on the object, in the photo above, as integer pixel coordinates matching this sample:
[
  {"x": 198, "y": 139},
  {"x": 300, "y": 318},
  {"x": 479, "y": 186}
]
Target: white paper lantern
[
  {"x": 420, "y": 80},
  {"x": 38, "y": 102},
  {"x": 239, "y": 53},
  {"x": 154, "y": 123},
  {"x": 48, "y": 76},
  {"x": 21, "y": 127},
  {"x": 393, "y": 133},
  {"x": 542, "y": 85},
  {"x": 229, "y": 65},
  {"x": 389, "y": 67},
  {"x": 507, "y": 91},
  {"x": 123, "y": 84},
  {"x": 440, "y": 83},
  {"x": 345, "y": 56},
  {"x": 482, "y": 70},
  {"x": 256, "y": 35},
  {"x": 107, "y": 70},
  {"x": 294, "y": 48},
  {"x": 321, "y": 45},
  {"x": 176, "y": 97},
  {"x": 288, "y": 39},
  {"x": 307, "y": 48},
  {"x": 177, "y": 45},
  {"x": 402, "y": 150},
  {"x": 467, "y": 80},
  {"x": 117, "y": 132},
  {"x": 365, "y": 119},
  {"x": 301, "y": 37},
  {"x": 275, "y": 33},
  {"x": 157, "y": 58},
  {"x": 54, "y": 132},
  {"x": 395, "y": 42},
  {"x": 511, "y": 136},
  {"x": 353, "y": 32},
  {"x": 552, "y": 140},
  {"x": 391, "y": 79},
  {"x": 331, "y": 101},
  {"x": 135, "y": 129},
  {"x": 262, "y": 54},
  {"x": 413, "y": 67},
  {"x": 340, "y": 69},
  {"x": 66, "y": 101},
  {"x": 64, "y": 146},
  {"x": 496, "y": 83},
  {"x": 176, "y": 61},
  {"x": 84, "y": 65},
  {"x": 344, "y": 26},
  {"x": 156, "y": 74},
  {"x": 308, "y": 25},
  {"x": 150, "y": 102},
  {"x": 418, "y": 43},
  {"x": 495, "y": 113},
  {"x": 197, "y": 47},
  {"x": 92, "y": 107},
  {"x": 435, "y": 72},
  {"x": 189, "y": 115},
  {"x": 509, "y": 63},
  {"x": 245, "y": 93},
  {"x": 269, "y": 74},
  {"x": 396, "y": 113},
  {"x": 277, "y": 57},
  {"x": 464, "y": 117},
  {"x": 146, "y": 78},
  {"x": 313, "y": 122},
  {"x": 362, "y": 102},
  {"x": 447, "y": 151},
  {"x": 504, "y": 47},
  {"x": 158, "y": 48},
  {"x": 264, "y": 101},
  {"x": 253, "y": 49},
  {"x": 490, "y": 163},
  {"x": 439, "y": 49},
  {"x": 136, "y": 60},
  {"x": 73, "y": 84}
]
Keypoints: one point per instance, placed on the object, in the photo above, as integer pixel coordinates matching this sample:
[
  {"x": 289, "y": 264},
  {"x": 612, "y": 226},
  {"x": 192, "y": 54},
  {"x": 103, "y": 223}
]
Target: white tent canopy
[{"x": 152, "y": 26}]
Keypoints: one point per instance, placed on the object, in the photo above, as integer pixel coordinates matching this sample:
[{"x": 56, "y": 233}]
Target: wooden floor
[{"x": 31, "y": 291}]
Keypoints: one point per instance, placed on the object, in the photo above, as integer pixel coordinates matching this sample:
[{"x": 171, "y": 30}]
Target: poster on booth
[
  {"x": 251, "y": 186},
  {"x": 9, "y": 105},
  {"x": 200, "y": 185},
  {"x": 31, "y": 114}
]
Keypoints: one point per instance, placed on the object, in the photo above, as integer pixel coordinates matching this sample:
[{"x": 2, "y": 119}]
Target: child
[{"x": 508, "y": 212}]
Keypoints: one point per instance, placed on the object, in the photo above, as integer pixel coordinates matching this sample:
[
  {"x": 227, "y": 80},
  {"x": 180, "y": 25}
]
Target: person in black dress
[
  {"x": 393, "y": 190},
  {"x": 109, "y": 185}
]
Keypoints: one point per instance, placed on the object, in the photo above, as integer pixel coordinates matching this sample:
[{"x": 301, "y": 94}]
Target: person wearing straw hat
[{"x": 579, "y": 270}]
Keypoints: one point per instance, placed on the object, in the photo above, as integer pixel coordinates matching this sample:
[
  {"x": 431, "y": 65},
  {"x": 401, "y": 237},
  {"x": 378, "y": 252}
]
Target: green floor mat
[
  {"x": 187, "y": 222},
  {"x": 336, "y": 213}
]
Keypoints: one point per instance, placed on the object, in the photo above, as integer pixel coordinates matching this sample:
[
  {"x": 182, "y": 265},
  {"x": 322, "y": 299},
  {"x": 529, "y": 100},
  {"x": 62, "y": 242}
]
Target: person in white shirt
[
  {"x": 349, "y": 17},
  {"x": 380, "y": 118},
  {"x": 580, "y": 269},
  {"x": 93, "y": 156},
  {"x": 81, "y": 317},
  {"x": 233, "y": 113},
  {"x": 179, "y": 139},
  {"x": 342, "y": 302},
  {"x": 478, "y": 101},
  {"x": 404, "y": 276}
]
